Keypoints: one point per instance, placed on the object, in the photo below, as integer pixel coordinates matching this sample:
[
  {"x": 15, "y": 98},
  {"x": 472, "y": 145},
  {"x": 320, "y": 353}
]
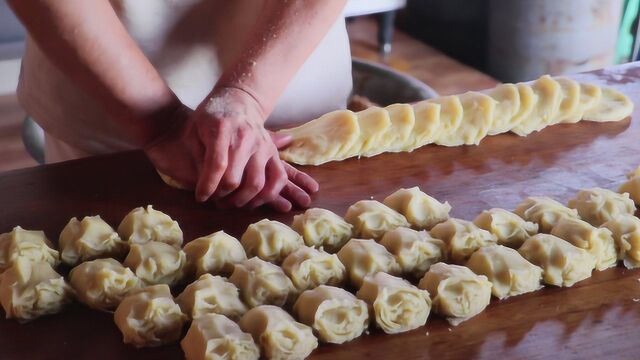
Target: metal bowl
[{"x": 384, "y": 86}]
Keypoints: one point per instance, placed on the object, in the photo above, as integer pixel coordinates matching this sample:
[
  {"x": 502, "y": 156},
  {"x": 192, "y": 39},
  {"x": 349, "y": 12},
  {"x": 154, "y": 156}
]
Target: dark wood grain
[{"x": 596, "y": 318}]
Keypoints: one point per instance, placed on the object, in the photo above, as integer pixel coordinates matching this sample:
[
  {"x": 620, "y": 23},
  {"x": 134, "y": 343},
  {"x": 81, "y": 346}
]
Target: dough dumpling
[
  {"x": 547, "y": 106},
  {"x": 156, "y": 263},
  {"x": 421, "y": 210},
  {"x": 102, "y": 283},
  {"x": 142, "y": 225},
  {"x": 544, "y": 211},
  {"x": 477, "y": 118},
  {"x": 211, "y": 295},
  {"x": 335, "y": 315},
  {"x": 308, "y": 267},
  {"x": 149, "y": 317},
  {"x": 632, "y": 186},
  {"x": 270, "y": 240},
  {"x": 562, "y": 263},
  {"x": 597, "y": 206},
  {"x": 626, "y": 233},
  {"x": 397, "y": 305},
  {"x": 89, "y": 239},
  {"x": 261, "y": 283},
  {"x": 510, "y": 229},
  {"x": 461, "y": 238},
  {"x": 366, "y": 257},
  {"x": 215, "y": 254},
  {"x": 32, "y": 289},
  {"x": 415, "y": 251},
  {"x": 215, "y": 337},
  {"x": 371, "y": 219},
  {"x": 278, "y": 334},
  {"x": 30, "y": 244},
  {"x": 457, "y": 293},
  {"x": 322, "y": 228},
  {"x": 598, "y": 241},
  {"x": 509, "y": 273}
]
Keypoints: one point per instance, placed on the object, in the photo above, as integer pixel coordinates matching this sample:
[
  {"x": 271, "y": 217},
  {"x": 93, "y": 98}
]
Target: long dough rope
[{"x": 453, "y": 120}]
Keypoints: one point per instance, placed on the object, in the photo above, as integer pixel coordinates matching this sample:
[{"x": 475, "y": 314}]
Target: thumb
[{"x": 281, "y": 141}]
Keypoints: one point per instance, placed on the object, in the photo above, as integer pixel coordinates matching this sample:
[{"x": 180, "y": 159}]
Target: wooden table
[{"x": 596, "y": 318}]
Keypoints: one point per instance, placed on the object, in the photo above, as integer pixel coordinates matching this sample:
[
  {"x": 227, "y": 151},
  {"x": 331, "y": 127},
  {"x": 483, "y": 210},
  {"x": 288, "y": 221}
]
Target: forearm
[
  {"x": 280, "y": 42},
  {"x": 88, "y": 43}
]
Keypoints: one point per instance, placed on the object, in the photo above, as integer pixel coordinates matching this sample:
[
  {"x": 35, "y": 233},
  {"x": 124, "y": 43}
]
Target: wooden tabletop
[{"x": 596, "y": 318}]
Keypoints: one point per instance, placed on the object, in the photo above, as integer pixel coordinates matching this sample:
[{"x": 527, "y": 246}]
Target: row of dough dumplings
[
  {"x": 453, "y": 120},
  {"x": 387, "y": 263}
]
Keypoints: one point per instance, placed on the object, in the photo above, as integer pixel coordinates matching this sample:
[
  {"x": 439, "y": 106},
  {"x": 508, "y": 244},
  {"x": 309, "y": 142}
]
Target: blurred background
[{"x": 422, "y": 47}]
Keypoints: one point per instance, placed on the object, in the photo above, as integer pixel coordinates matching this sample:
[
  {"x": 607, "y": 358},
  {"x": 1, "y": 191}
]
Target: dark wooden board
[{"x": 596, "y": 318}]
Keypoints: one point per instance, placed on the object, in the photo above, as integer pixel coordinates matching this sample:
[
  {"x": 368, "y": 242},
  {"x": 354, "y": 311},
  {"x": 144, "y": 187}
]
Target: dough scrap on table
[
  {"x": 29, "y": 290},
  {"x": 156, "y": 263},
  {"x": 396, "y": 304},
  {"x": 597, "y": 206},
  {"x": 214, "y": 336},
  {"x": 335, "y": 314},
  {"x": 270, "y": 240},
  {"x": 563, "y": 264},
  {"x": 457, "y": 293},
  {"x": 509, "y": 273},
  {"x": 308, "y": 268},
  {"x": 278, "y": 334},
  {"x": 453, "y": 120},
  {"x": 626, "y": 233},
  {"x": 149, "y": 317},
  {"x": 323, "y": 229},
  {"x": 421, "y": 210},
  {"x": 214, "y": 254},
  {"x": 88, "y": 239},
  {"x": 142, "y": 225},
  {"x": 102, "y": 283},
  {"x": 261, "y": 283},
  {"x": 211, "y": 295},
  {"x": 461, "y": 238},
  {"x": 544, "y": 211},
  {"x": 415, "y": 251},
  {"x": 510, "y": 229},
  {"x": 371, "y": 219},
  {"x": 30, "y": 244},
  {"x": 366, "y": 257},
  {"x": 597, "y": 241}
]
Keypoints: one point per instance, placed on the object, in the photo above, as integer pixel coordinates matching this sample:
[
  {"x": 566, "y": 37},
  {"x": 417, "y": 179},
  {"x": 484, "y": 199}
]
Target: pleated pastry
[
  {"x": 510, "y": 229},
  {"x": 598, "y": 241},
  {"x": 371, "y": 219},
  {"x": 216, "y": 337},
  {"x": 461, "y": 238},
  {"x": 102, "y": 283},
  {"x": 544, "y": 211},
  {"x": 88, "y": 239},
  {"x": 415, "y": 251},
  {"x": 366, "y": 257},
  {"x": 421, "y": 210},
  {"x": 270, "y": 240},
  {"x": 597, "y": 206},
  {"x": 261, "y": 283},
  {"x": 211, "y": 295},
  {"x": 214, "y": 254},
  {"x": 142, "y": 225},
  {"x": 322, "y": 229},
  {"x": 626, "y": 233},
  {"x": 156, "y": 263},
  {"x": 308, "y": 268},
  {"x": 29, "y": 244}
]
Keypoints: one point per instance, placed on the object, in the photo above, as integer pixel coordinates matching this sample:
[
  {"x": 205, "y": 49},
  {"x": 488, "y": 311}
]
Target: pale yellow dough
[
  {"x": 88, "y": 239},
  {"x": 453, "y": 120},
  {"x": 261, "y": 283},
  {"x": 102, "y": 283},
  {"x": 626, "y": 233},
  {"x": 366, "y": 257},
  {"x": 29, "y": 244},
  {"x": 632, "y": 186},
  {"x": 270, "y": 240},
  {"x": 156, "y": 263},
  {"x": 597, "y": 206},
  {"x": 461, "y": 238},
  {"x": 634, "y": 173},
  {"x": 335, "y": 315},
  {"x": 421, "y": 210},
  {"x": 215, "y": 337},
  {"x": 371, "y": 219},
  {"x": 149, "y": 317},
  {"x": 322, "y": 229},
  {"x": 457, "y": 293},
  {"x": 544, "y": 211},
  {"x": 509, "y": 273},
  {"x": 510, "y": 229},
  {"x": 397, "y": 305},
  {"x": 598, "y": 241},
  {"x": 278, "y": 334},
  {"x": 562, "y": 263},
  {"x": 308, "y": 268},
  {"x": 415, "y": 251},
  {"x": 29, "y": 290},
  {"x": 211, "y": 295},
  {"x": 215, "y": 254},
  {"x": 142, "y": 225}
]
